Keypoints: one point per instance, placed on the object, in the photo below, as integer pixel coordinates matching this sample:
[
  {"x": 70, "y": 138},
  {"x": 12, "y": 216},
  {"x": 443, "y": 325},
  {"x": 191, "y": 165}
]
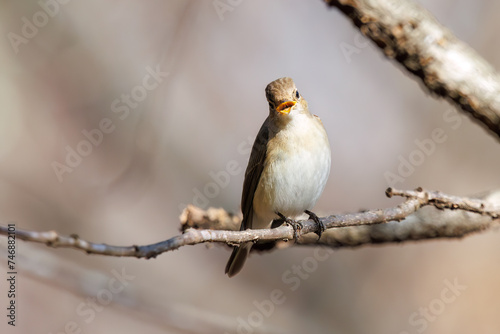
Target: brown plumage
[{"x": 288, "y": 166}]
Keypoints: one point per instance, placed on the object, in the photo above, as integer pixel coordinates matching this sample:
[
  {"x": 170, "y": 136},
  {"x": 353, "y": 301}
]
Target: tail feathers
[{"x": 237, "y": 259}]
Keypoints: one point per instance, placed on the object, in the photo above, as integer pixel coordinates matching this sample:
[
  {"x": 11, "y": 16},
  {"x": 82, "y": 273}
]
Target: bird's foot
[
  {"x": 320, "y": 226},
  {"x": 295, "y": 225}
]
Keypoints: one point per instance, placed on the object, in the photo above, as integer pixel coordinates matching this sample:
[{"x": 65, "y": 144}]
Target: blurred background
[{"x": 115, "y": 115}]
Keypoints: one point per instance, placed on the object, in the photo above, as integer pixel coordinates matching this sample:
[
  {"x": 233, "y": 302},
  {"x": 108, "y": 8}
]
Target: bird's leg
[
  {"x": 319, "y": 224},
  {"x": 278, "y": 221},
  {"x": 295, "y": 225}
]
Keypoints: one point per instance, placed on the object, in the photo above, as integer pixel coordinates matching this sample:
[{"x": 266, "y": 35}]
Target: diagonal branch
[
  {"x": 482, "y": 213},
  {"x": 448, "y": 67}
]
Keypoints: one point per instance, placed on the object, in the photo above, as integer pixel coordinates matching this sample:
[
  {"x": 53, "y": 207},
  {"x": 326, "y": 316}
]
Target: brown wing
[{"x": 253, "y": 173}]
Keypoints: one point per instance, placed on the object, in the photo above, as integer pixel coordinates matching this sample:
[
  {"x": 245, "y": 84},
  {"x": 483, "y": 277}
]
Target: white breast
[{"x": 295, "y": 174}]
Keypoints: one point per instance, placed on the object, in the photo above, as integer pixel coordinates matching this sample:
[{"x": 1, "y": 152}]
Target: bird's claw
[
  {"x": 320, "y": 226},
  {"x": 297, "y": 226}
]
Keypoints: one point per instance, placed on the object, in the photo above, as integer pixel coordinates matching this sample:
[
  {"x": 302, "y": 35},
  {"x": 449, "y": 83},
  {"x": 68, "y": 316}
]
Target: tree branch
[
  {"x": 448, "y": 67},
  {"x": 342, "y": 230}
]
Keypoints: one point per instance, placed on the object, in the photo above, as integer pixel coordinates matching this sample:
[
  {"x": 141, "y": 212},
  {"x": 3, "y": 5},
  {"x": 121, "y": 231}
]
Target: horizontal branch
[
  {"x": 446, "y": 217},
  {"x": 441, "y": 219},
  {"x": 448, "y": 67},
  {"x": 341, "y": 229}
]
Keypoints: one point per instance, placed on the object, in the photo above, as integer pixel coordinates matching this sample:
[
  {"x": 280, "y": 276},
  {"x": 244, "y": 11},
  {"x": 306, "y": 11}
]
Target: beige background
[{"x": 130, "y": 189}]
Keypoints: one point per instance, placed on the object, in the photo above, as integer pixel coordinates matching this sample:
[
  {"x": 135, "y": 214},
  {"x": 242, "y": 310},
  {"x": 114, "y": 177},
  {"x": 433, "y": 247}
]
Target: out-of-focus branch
[
  {"x": 448, "y": 67},
  {"x": 343, "y": 230},
  {"x": 437, "y": 220},
  {"x": 445, "y": 217}
]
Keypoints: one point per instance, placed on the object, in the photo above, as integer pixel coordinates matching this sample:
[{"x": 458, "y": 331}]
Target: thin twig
[{"x": 414, "y": 201}]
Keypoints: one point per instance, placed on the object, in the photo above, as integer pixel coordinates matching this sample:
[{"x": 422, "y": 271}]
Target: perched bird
[{"x": 288, "y": 167}]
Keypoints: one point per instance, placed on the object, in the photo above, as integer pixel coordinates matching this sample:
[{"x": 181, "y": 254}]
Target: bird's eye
[{"x": 297, "y": 95}]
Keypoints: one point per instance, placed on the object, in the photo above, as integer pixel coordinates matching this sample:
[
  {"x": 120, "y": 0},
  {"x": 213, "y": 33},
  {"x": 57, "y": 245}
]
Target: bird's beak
[{"x": 285, "y": 107}]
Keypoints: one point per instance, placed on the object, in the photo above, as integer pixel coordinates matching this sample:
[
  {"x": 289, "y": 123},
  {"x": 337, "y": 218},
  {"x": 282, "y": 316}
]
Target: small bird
[{"x": 288, "y": 167}]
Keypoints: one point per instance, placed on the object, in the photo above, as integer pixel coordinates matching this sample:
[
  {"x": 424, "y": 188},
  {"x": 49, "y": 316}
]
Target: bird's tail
[{"x": 237, "y": 259}]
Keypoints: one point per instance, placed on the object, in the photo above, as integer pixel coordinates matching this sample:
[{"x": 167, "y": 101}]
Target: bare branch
[
  {"x": 448, "y": 67},
  {"x": 343, "y": 230},
  {"x": 445, "y": 217}
]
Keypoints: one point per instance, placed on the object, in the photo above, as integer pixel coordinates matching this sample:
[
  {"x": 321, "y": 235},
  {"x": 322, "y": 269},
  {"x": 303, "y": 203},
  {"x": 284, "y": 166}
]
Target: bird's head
[{"x": 284, "y": 98}]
